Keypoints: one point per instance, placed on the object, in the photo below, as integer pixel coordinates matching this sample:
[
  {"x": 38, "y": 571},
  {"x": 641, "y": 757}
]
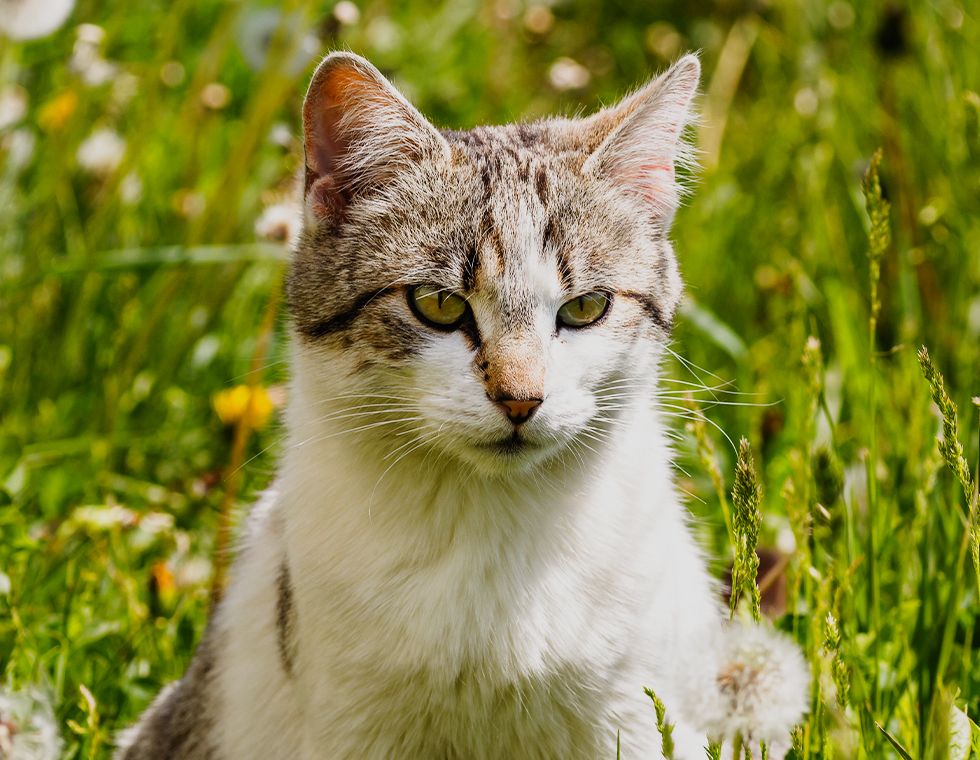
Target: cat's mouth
[{"x": 512, "y": 445}]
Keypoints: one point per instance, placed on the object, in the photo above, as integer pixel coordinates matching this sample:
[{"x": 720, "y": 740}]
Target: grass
[{"x": 130, "y": 296}]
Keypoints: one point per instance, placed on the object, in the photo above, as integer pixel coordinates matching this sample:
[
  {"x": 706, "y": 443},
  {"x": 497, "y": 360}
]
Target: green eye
[
  {"x": 437, "y": 306},
  {"x": 583, "y": 310}
]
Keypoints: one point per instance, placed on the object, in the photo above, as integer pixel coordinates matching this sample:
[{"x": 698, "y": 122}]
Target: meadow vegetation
[{"x": 143, "y": 344}]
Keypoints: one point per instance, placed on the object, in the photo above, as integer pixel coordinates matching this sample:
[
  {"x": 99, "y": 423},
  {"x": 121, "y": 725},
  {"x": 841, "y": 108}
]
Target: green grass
[{"x": 120, "y": 318}]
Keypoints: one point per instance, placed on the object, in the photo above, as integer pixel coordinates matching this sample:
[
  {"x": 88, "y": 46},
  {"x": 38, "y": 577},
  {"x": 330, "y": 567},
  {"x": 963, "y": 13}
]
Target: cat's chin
[{"x": 506, "y": 455}]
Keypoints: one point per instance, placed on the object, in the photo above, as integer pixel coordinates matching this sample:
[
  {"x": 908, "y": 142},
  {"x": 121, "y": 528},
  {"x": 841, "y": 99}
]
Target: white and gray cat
[{"x": 474, "y": 547}]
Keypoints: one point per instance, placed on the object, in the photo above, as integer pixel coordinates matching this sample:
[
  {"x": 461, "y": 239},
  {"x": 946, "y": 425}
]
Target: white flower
[
  {"x": 102, "y": 517},
  {"x": 566, "y": 74},
  {"x": 101, "y": 152},
  {"x": 131, "y": 189},
  {"x": 13, "y": 105},
  {"x": 19, "y": 147},
  {"x": 762, "y": 687},
  {"x": 27, "y": 727},
  {"x": 279, "y": 222},
  {"x": 346, "y": 13},
  {"x": 32, "y": 19},
  {"x": 86, "y": 56},
  {"x": 280, "y": 134}
]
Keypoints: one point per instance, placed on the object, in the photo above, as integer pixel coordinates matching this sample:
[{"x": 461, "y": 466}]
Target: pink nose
[{"x": 519, "y": 410}]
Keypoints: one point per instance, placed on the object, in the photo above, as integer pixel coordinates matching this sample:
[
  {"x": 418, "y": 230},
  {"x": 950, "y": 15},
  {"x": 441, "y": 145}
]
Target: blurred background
[{"x": 147, "y": 157}]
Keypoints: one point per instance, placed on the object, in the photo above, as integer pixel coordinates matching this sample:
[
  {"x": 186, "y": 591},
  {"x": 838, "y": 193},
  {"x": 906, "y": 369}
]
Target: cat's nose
[{"x": 519, "y": 410}]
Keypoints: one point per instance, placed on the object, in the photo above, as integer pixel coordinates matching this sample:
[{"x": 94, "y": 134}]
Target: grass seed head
[{"x": 746, "y": 520}]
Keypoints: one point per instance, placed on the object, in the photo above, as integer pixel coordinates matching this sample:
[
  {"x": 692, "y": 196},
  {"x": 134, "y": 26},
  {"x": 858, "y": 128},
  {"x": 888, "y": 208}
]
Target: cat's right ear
[
  {"x": 641, "y": 140},
  {"x": 358, "y": 132}
]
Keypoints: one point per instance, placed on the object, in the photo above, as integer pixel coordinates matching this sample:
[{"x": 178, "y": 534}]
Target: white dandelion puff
[
  {"x": 280, "y": 134},
  {"x": 279, "y": 222},
  {"x": 18, "y": 146},
  {"x": 13, "y": 105},
  {"x": 346, "y": 13},
  {"x": 762, "y": 688},
  {"x": 86, "y": 56},
  {"x": 567, "y": 74},
  {"x": 131, "y": 189},
  {"x": 27, "y": 727},
  {"x": 101, "y": 152},
  {"x": 100, "y": 517},
  {"x": 33, "y": 19}
]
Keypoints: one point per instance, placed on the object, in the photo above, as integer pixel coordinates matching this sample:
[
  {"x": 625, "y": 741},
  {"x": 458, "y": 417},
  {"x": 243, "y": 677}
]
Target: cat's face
[{"x": 495, "y": 295}]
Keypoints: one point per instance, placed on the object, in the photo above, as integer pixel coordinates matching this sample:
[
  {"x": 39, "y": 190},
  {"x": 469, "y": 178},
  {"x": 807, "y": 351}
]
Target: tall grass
[{"x": 131, "y": 294}]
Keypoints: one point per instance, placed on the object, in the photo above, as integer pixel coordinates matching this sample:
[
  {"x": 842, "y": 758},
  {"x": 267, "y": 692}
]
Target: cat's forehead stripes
[
  {"x": 518, "y": 218},
  {"x": 516, "y": 224}
]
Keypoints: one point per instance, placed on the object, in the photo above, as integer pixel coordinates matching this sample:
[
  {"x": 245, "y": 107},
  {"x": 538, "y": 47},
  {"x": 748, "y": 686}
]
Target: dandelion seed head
[
  {"x": 279, "y": 222},
  {"x": 131, "y": 189},
  {"x": 13, "y": 105},
  {"x": 346, "y": 13},
  {"x": 101, "y": 152},
  {"x": 761, "y": 687},
  {"x": 280, "y": 134},
  {"x": 566, "y": 74},
  {"x": 98, "y": 518},
  {"x": 18, "y": 146},
  {"x": 27, "y": 727},
  {"x": 86, "y": 56},
  {"x": 33, "y": 19}
]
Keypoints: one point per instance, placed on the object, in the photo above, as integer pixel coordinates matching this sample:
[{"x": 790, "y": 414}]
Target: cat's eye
[
  {"x": 437, "y": 306},
  {"x": 583, "y": 310}
]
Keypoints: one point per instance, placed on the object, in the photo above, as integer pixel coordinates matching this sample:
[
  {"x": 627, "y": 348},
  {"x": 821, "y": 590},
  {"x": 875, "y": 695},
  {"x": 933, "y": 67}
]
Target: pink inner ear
[
  {"x": 323, "y": 196},
  {"x": 657, "y": 168},
  {"x": 325, "y": 138},
  {"x": 649, "y": 187}
]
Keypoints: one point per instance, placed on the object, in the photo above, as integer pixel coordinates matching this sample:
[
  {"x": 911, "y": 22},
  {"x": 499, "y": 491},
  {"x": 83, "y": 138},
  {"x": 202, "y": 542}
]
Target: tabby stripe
[
  {"x": 651, "y": 309},
  {"x": 343, "y": 320},
  {"x": 470, "y": 267},
  {"x": 285, "y": 619},
  {"x": 564, "y": 269}
]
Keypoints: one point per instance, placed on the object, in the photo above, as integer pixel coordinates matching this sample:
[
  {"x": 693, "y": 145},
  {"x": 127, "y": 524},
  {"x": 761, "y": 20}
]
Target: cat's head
[{"x": 496, "y": 294}]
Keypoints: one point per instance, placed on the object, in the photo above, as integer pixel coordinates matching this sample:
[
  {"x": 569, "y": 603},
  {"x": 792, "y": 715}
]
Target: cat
[{"x": 474, "y": 547}]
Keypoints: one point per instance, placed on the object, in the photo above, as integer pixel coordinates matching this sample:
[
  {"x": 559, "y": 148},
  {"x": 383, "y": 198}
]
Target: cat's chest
[
  {"x": 418, "y": 713},
  {"x": 471, "y": 610}
]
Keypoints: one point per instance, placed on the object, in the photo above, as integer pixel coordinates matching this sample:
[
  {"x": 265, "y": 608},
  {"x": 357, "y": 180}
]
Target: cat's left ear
[
  {"x": 642, "y": 138},
  {"x": 358, "y": 133}
]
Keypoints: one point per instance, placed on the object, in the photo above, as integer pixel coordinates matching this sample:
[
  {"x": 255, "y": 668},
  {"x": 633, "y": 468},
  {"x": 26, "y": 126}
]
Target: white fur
[
  {"x": 579, "y": 568},
  {"x": 453, "y": 600}
]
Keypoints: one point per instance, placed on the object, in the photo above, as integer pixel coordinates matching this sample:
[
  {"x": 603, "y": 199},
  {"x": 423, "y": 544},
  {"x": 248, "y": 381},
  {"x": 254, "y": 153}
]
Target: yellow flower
[
  {"x": 56, "y": 112},
  {"x": 250, "y": 405}
]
